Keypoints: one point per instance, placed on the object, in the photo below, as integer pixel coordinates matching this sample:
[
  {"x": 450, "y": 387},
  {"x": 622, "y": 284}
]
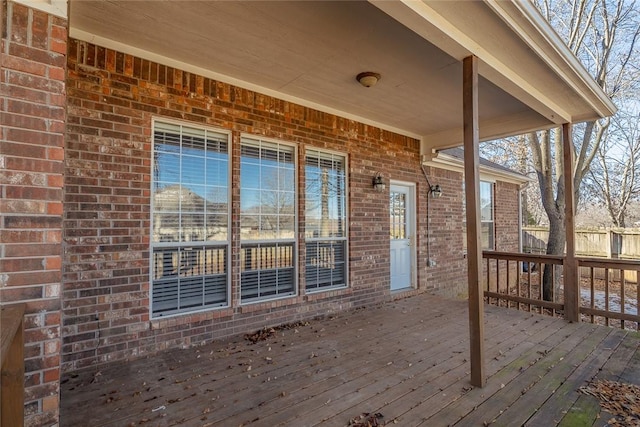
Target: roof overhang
[
  {"x": 309, "y": 52},
  {"x": 443, "y": 160},
  {"x": 518, "y": 51}
]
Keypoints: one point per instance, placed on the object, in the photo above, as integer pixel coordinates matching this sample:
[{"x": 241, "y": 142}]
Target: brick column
[{"x": 32, "y": 108}]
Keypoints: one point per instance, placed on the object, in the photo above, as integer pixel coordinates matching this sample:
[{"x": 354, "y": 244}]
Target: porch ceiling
[{"x": 310, "y": 52}]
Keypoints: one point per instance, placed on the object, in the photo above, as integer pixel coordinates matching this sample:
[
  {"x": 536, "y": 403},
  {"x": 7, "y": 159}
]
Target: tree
[
  {"x": 615, "y": 177},
  {"x": 603, "y": 34}
]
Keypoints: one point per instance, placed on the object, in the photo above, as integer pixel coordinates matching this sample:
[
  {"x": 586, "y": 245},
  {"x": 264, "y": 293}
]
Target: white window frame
[
  {"x": 345, "y": 237},
  {"x": 182, "y": 246},
  {"x": 270, "y": 242},
  {"x": 492, "y": 236},
  {"x": 491, "y": 243}
]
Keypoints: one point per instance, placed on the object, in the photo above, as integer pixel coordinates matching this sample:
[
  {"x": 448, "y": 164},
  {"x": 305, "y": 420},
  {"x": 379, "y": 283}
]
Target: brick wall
[
  {"x": 31, "y": 195},
  {"x": 112, "y": 98},
  {"x": 448, "y": 276},
  {"x": 446, "y": 215},
  {"x": 507, "y": 197},
  {"x": 506, "y": 220},
  {"x": 507, "y": 236}
]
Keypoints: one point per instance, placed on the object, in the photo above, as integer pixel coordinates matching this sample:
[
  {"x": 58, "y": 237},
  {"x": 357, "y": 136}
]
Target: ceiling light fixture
[{"x": 368, "y": 78}]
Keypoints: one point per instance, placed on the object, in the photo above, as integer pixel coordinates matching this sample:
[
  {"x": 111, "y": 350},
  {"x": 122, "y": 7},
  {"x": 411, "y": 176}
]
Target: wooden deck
[{"x": 407, "y": 360}]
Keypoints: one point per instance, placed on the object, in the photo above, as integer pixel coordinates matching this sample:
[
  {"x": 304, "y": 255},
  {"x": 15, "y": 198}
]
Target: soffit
[
  {"x": 310, "y": 52},
  {"x": 453, "y": 159}
]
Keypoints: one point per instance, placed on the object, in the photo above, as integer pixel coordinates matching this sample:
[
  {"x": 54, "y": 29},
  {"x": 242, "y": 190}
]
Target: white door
[{"x": 401, "y": 233}]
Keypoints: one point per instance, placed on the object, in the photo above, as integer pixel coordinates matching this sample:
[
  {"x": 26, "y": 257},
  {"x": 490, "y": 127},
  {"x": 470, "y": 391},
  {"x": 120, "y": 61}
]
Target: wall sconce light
[
  {"x": 368, "y": 78},
  {"x": 378, "y": 183},
  {"x": 435, "y": 191}
]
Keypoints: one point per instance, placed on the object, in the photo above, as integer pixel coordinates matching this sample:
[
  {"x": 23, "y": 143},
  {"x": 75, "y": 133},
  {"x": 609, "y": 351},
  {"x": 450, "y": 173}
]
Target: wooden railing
[
  {"x": 609, "y": 288},
  {"x": 12, "y": 366},
  {"x": 514, "y": 280}
]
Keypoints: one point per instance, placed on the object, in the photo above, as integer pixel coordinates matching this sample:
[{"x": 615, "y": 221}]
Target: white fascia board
[
  {"x": 170, "y": 62},
  {"x": 443, "y": 161},
  {"x": 544, "y": 40},
  {"x": 58, "y": 8}
]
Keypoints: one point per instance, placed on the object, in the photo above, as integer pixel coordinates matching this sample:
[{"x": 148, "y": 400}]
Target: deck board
[
  {"x": 419, "y": 370},
  {"x": 407, "y": 359},
  {"x": 446, "y": 390},
  {"x": 357, "y": 362},
  {"x": 631, "y": 373},
  {"x": 504, "y": 370},
  {"x": 550, "y": 413},
  {"x": 375, "y": 400},
  {"x": 550, "y": 380}
]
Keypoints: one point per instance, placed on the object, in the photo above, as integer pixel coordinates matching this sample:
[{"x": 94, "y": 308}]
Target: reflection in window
[
  {"x": 486, "y": 215},
  {"x": 267, "y": 219},
  {"x": 325, "y": 221},
  {"x": 398, "y": 215},
  {"x": 190, "y": 218}
]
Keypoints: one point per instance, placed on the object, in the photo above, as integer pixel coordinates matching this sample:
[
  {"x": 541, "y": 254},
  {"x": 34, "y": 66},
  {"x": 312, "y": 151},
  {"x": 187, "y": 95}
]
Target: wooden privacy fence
[
  {"x": 609, "y": 291},
  {"x": 603, "y": 242},
  {"x": 12, "y": 366}
]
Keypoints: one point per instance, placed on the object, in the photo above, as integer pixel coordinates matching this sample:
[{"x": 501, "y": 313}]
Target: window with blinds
[
  {"x": 325, "y": 221},
  {"x": 267, "y": 220},
  {"x": 190, "y": 219}
]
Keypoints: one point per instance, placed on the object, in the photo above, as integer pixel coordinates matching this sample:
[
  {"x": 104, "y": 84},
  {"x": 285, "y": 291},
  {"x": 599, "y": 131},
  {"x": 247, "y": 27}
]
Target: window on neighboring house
[
  {"x": 267, "y": 220},
  {"x": 487, "y": 234},
  {"x": 325, "y": 221},
  {"x": 190, "y": 219}
]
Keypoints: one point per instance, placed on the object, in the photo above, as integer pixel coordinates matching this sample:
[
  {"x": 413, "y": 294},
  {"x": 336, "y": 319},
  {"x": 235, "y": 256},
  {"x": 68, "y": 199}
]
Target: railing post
[
  {"x": 12, "y": 366},
  {"x": 571, "y": 288}
]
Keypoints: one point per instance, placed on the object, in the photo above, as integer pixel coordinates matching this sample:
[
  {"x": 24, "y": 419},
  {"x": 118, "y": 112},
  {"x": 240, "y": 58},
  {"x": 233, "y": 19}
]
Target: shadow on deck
[{"x": 407, "y": 360}]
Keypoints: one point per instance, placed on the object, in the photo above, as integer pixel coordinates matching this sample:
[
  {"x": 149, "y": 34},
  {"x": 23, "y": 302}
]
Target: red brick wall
[
  {"x": 31, "y": 195},
  {"x": 507, "y": 217},
  {"x": 448, "y": 276},
  {"x": 112, "y": 98},
  {"x": 507, "y": 237},
  {"x": 507, "y": 228}
]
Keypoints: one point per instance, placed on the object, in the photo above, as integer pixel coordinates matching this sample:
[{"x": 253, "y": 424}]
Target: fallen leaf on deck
[
  {"x": 260, "y": 335},
  {"x": 620, "y": 399},
  {"x": 366, "y": 420},
  {"x": 266, "y": 333}
]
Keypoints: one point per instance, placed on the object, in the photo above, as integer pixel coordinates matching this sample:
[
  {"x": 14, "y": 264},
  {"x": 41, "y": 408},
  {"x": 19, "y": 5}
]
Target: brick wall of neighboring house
[
  {"x": 112, "y": 98},
  {"x": 32, "y": 104}
]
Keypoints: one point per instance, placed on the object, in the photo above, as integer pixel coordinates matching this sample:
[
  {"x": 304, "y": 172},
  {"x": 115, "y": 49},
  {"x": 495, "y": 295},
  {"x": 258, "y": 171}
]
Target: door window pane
[{"x": 398, "y": 215}]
